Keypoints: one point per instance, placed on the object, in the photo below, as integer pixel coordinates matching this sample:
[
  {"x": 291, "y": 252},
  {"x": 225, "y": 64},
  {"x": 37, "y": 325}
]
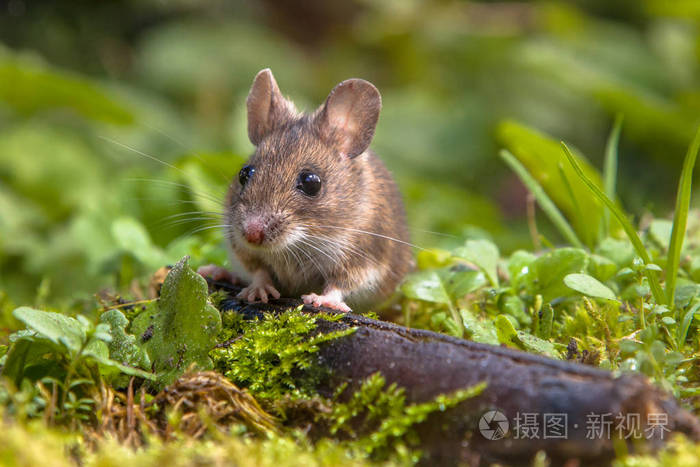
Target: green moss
[
  {"x": 379, "y": 423},
  {"x": 679, "y": 452},
  {"x": 32, "y": 444},
  {"x": 274, "y": 357}
]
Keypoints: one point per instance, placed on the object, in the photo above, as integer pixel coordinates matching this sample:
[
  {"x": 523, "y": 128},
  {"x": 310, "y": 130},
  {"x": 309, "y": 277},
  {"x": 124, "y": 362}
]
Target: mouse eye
[
  {"x": 309, "y": 183},
  {"x": 245, "y": 174}
]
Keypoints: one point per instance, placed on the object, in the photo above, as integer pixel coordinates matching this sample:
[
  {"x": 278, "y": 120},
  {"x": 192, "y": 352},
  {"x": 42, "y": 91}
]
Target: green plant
[
  {"x": 651, "y": 273},
  {"x": 179, "y": 329},
  {"x": 274, "y": 357},
  {"x": 380, "y": 423},
  {"x": 67, "y": 356}
]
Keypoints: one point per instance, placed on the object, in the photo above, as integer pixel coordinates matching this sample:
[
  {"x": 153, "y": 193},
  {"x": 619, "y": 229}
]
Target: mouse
[{"x": 314, "y": 212}]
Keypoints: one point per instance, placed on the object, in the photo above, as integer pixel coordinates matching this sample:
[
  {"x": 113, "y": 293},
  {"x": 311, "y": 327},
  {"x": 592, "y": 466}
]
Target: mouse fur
[{"x": 345, "y": 246}]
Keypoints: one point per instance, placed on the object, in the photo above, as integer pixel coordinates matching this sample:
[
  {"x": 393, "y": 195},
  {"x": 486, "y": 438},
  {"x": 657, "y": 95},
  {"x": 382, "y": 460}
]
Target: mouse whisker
[
  {"x": 188, "y": 221},
  {"x": 144, "y": 154},
  {"x": 141, "y": 153},
  {"x": 299, "y": 262},
  {"x": 166, "y": 202},
  {"x": 347, "y": 247},
  {"x": 432, "y": 232},
  {"x": 332, "y": 255},
  {"x": 212, "y": 197},
  {"x": 313, "y": 261},
  {"x": 374, "y": 234},
  {"x": 326, "y": 254},
  {"x": 206, "y": 227},
  {"x": 189, "y": 149},
  {"x": 332, "y": 245},
  {"x": 285, "y": 256},
  {"x": 180, "y": 214},
  {"x": 198, "y": 215},
  {"x": 351, "y": 250},
  {"x": 191, "y": 216}
]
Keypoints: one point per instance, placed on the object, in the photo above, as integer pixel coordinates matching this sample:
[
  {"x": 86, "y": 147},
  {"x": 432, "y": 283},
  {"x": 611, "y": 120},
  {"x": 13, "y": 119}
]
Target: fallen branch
[{"x": 568, "y": 410}]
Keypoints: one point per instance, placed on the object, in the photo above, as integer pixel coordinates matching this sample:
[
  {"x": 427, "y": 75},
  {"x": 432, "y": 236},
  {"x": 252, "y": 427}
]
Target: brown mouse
[{"x": 314, "y": 211}]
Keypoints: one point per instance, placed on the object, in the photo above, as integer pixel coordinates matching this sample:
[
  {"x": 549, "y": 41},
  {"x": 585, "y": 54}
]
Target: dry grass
[{"x": 192, "y": 406}]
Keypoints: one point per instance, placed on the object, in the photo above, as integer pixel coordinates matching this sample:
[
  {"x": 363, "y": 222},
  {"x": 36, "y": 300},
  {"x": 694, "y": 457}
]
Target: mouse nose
[{"x": 254, "y": 232}]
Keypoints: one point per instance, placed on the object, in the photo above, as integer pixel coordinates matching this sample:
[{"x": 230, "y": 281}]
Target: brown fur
[{"x": 357, "y": 193}]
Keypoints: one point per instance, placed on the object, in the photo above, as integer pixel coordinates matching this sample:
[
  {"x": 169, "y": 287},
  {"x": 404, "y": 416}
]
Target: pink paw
[
  {"x": 259, "y": 288},
  {"x": 254, "y": 292},
  {"x": 329, "y": 300},
  {"x": 216, "y": 273}
]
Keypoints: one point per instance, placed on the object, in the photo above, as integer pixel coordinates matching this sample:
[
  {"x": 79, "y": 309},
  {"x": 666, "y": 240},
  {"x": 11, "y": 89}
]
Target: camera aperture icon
[{"x": 493, "y": 425}]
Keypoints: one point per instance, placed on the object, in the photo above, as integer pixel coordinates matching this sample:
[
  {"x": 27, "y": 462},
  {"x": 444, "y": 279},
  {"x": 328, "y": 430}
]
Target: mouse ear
[
  {"x": 267, "y": 107},
  {"x": 348, "y": 118}
]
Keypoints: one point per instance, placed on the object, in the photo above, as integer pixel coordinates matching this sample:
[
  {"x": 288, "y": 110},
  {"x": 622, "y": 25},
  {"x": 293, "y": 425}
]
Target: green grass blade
[
  {"x": 577, "y": 208},
  {"x": 685, "y": 325},
  {"x": 680, "y": 218},
  {"x": 629, "y": 229},
  {"x": 610, "y": 169},
  {"x": 544, "y": 201}
]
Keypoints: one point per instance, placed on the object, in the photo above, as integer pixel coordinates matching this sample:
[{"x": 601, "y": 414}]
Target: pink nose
[{"x": 254, "y": 232}]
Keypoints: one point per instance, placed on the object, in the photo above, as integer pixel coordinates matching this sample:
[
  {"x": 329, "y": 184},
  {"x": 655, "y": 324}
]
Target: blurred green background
[{"x": 91, "y": 92}]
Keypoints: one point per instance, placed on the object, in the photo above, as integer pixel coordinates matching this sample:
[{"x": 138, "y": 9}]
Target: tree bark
[{"x": 590, "y": 402}]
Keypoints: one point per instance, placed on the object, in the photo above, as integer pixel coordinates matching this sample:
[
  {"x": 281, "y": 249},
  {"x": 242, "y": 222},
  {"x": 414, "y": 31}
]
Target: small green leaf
[
  {"x": 519, "y": 266},
  {"x": 544, "y": 322},
  {"x": 621, "y": 252},
  {"x": 426, "y": 285},
  {"x": 182, "y": 326},
  {"x": 123, "y": 347},
  {"x": 57, "y": 328},
  {"x": 461, "y": 283},
  {"x": 535, "y": 344},
  {"x": 506, "y": 331},
  {"x": 590, "y": 286},
  {"x": 601, "y": 267},
  {"x": 442, "y": 285},
  {"x": 484, "y": 254},
  {"x": 479, "y": 330},
  {"x": 508, "y": 335},
  {"x": 513, "y": 305},
  {"x": 624, "y": 272},
  {"x": 433, "y": 258},
  {"x": 546, "y": 276}
]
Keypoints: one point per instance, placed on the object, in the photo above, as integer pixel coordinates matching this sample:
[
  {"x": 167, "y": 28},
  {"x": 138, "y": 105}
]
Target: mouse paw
[
  {"x": 217, "y": 273},
  {"x": 332, "y": 300},
  {"x": 259, "y": 288}
]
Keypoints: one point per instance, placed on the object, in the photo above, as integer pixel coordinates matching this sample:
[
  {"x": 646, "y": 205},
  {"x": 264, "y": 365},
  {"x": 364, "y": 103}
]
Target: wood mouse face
[{"x": 305, "y": 173}]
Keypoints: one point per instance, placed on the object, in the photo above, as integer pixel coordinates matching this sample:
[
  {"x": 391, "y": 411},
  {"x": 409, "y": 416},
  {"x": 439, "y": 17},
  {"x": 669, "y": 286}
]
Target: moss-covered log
[{"x": 578, "y": 410}]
